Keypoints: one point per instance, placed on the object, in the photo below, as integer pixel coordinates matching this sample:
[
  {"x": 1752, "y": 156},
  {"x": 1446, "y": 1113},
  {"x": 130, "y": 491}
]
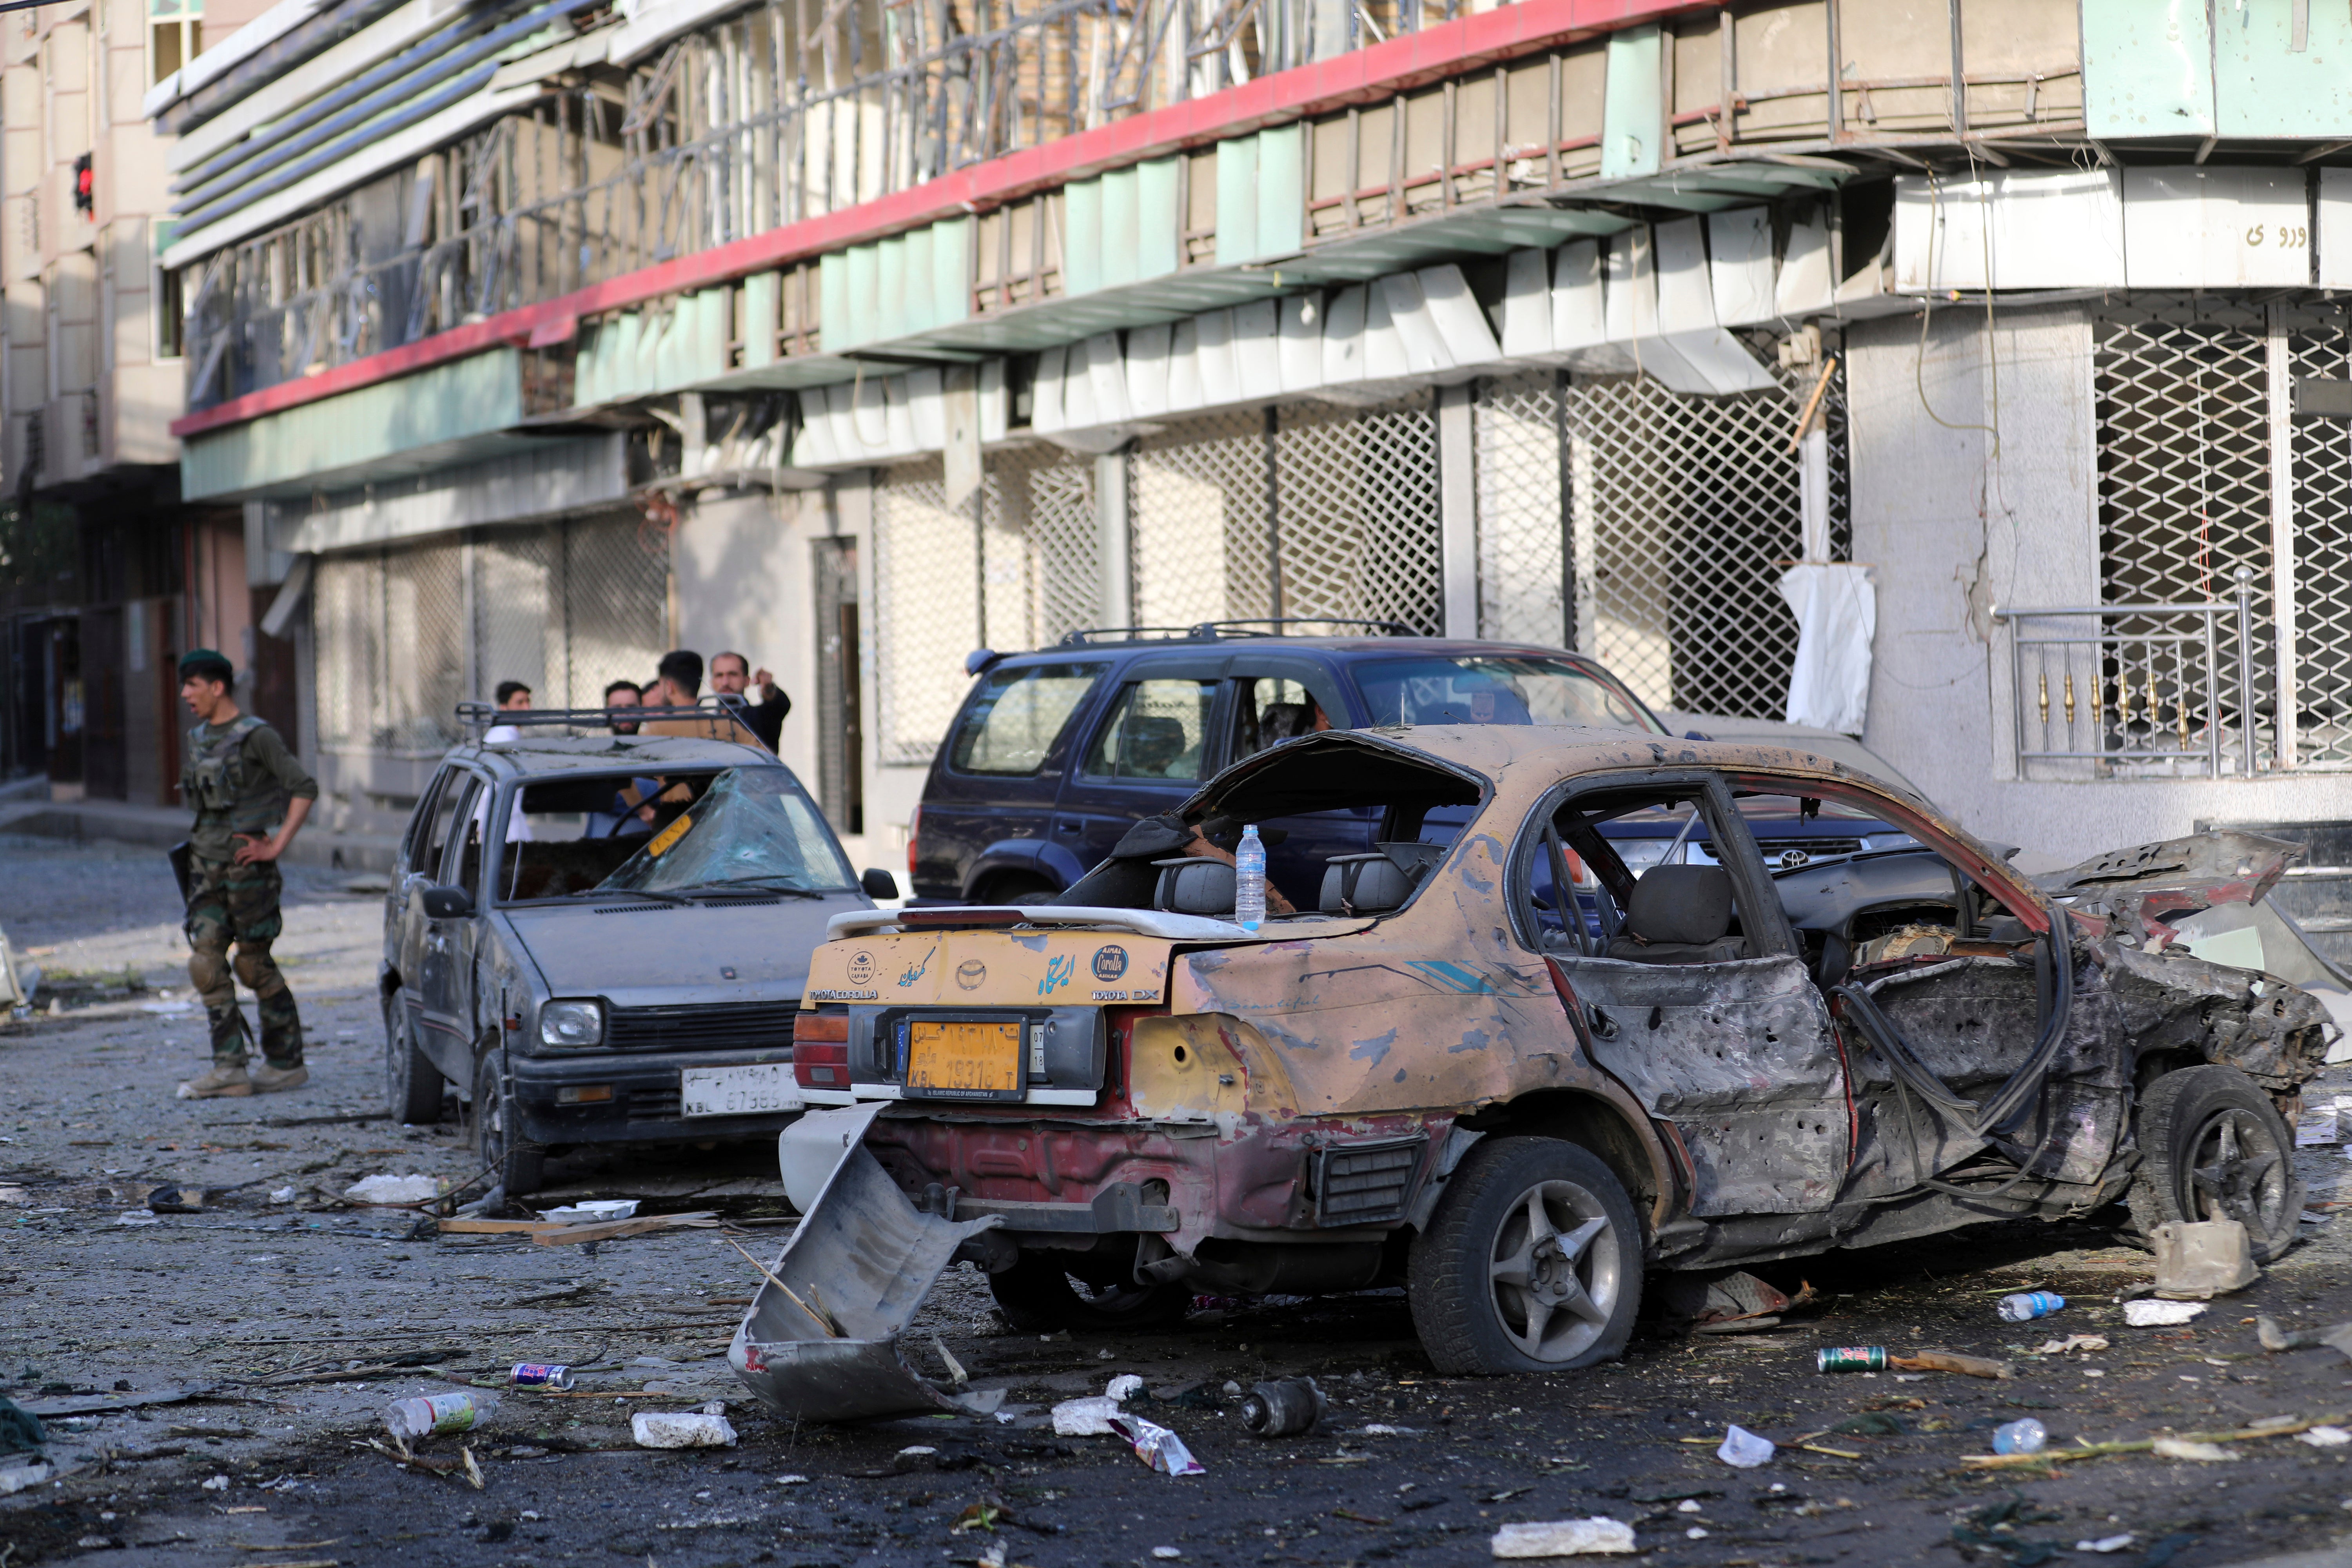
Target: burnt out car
[{"x": 1515, "y": 1077}]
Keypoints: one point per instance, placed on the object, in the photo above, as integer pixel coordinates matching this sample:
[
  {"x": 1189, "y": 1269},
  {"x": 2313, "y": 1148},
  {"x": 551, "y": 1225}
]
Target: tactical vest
[{"x": 218, "y": 778}]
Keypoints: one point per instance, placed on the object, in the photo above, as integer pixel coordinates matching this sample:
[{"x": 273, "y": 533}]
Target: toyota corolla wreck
[{"x": 1489, "y": 1063}]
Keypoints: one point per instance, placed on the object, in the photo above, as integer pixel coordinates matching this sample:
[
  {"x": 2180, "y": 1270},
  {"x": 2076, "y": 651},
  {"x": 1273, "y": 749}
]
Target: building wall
[{"x": 1975, "y": 464}]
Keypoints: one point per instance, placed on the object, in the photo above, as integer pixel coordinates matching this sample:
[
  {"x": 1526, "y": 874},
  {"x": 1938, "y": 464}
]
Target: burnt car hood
[{"x": 638, "y": 955}]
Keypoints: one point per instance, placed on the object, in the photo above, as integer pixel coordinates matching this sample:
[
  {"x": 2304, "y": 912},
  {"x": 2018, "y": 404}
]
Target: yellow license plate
[{"x": 964, "y": 1059}]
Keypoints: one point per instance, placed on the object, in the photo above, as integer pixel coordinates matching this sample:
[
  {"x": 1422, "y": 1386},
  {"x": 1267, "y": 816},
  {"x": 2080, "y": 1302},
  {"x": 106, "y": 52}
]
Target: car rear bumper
[{"x": 645, "y": 1106}]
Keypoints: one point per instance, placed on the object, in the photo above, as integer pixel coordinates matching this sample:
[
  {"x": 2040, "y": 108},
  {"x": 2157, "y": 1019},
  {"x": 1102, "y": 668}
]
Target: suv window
[
  {"x": 1273, "y": 708},
  {"x": 1494, "y": 689},
  {"x": 1012, "y": 722},
  {"x": 1159, "y": 730}
]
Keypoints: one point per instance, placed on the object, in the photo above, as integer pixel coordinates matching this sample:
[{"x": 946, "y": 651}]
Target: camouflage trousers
[{"x": 232, "y": 903}]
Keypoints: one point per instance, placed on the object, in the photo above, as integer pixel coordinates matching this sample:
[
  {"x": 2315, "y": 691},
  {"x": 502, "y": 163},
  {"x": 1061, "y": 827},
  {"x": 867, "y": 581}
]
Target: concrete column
[
  {"x": 1113, "y": 551},
  {"x": 1457, "y": 508}
]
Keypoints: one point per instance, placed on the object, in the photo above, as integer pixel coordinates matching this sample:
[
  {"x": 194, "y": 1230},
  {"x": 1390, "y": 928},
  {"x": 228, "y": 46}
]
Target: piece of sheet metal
[{"x": 865, "y": 1258}]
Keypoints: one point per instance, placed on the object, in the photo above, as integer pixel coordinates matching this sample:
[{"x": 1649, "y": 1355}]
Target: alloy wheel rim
[
  {"x": 1553, "y": 1272},
  {"x": 2236, "y": 1171}
]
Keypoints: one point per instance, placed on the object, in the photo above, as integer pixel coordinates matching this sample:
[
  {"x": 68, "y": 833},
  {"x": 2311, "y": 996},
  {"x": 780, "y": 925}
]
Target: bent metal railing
[{"x": 2137, "y": 688}]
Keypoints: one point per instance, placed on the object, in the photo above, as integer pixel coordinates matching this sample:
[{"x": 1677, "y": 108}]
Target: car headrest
[
  {"x": 1194, "y": 887},
  {"x": 1681, "y": 904},
  {"x": 1376, "y": 882},
  {"x": 1153, "y": 740}
]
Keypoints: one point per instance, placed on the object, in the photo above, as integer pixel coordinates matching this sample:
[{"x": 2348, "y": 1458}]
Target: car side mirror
[
  {"x": 447, "y": 904},
  {"x": 878, "y": 883}
]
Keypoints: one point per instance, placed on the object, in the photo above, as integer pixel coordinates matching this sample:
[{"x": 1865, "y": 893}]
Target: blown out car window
[
  {"x": 755, "y": 827},
  {"x": 1016, "y": 716},
  {"x": 1494, "y": 689}
]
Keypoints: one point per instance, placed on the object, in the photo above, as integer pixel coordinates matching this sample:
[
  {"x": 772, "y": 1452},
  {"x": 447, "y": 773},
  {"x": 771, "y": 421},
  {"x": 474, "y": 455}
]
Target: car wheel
[
  {"x": 1531, "y": 1263},
  {"x": 517, "y": 1162},
  {"x": 2213, "y": 1147},
  {"x": 412, "y": 1084},
  {"x": 1038, "y": 1295}
]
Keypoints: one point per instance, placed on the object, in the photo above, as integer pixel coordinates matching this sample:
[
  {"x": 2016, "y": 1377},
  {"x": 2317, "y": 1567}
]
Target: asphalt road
[{"x": 265, "y": 1306}]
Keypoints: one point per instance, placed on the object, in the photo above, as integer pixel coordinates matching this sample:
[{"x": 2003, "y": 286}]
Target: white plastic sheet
[{"x": 1837, "y": 617}]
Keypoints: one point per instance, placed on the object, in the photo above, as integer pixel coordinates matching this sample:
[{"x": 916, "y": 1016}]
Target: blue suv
[{"x": 1056, "y": 753}]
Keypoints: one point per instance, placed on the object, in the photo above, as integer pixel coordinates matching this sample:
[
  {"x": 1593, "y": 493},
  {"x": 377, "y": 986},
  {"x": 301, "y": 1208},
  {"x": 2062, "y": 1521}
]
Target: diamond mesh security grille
[
  {"x": 616, "y": 599},
  {"x": 2323, "y": 557},
  {"x": 424, "y": 642},
  {"x": 1197, "y": 511},
  {"x": 1356, "y": 498},
  {"x": 349, "y": 626},
  {"x": 1063, "y": 542},
  {"x": 927, "y": 608},
  {"x": 1681, "y": 513},
  {"x": 2184, "y": 502}
]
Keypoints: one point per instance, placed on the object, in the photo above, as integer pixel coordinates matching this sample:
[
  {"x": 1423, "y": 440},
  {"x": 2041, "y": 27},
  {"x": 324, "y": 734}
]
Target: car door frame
[
  {"x": 1301, "y": 865},
  {"x": 1709, "y": 1111},
  {"x": 446, "y": 1035}
]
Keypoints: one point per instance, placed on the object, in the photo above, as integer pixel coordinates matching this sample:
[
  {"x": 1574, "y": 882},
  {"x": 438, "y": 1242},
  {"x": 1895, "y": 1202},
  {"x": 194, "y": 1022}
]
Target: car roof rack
[
  {"x": 1214, "y": 631},
  {"x": 479, "y": 716}
]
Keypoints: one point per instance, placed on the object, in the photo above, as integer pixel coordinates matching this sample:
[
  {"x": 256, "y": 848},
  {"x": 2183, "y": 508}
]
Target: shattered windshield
[
  {"x": 754, "y": 826},
  {"x": 1496, "y": 688}
]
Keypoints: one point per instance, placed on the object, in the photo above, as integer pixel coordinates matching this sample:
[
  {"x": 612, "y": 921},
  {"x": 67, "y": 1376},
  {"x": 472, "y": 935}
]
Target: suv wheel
[
  {"x": 1532, "y": 1262},
  {"x": 518, "y": 1164},
  {"x": 412, "y": 1084},
  {"x": 1037, "y": 1295},
  {"x": 2213, "y": 1147}
]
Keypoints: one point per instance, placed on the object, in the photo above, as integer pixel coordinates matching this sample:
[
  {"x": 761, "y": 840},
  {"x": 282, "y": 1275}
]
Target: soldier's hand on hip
[{"x": 255, "y": 850}]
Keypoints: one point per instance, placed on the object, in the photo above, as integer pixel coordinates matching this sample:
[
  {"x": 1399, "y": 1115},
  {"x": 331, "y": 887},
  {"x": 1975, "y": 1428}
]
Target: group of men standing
[{"x": 251, "y": 796}]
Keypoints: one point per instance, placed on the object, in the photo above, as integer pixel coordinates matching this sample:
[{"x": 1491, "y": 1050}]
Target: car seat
[
  {"x": 1680, "y": 914},
  {"x": 1376, "y": 882},
  {"x": 1194, "y": 885}
]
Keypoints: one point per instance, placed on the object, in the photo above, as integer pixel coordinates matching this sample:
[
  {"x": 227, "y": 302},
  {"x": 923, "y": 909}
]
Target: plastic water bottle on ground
[
  {"x": 426, "y": 1415},
  {"x": 2029, "y": 1304},
  {"x": 2024, "y": 1437},
  {"x": 1249, "y": 880}
]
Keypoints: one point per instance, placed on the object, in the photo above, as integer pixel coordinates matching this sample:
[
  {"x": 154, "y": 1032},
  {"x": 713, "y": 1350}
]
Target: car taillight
[
  {"x": 821, "y": 1050},
  {"x": 822, "y": 1067},
  {"x": 914, "y": 827}
]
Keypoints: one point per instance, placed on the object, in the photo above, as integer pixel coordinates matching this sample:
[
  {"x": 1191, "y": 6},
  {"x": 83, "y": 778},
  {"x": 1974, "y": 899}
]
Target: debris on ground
[
  {"x": 2029, "y": 1304},
  {"x": 2176, "y": 1445},
  {"x": 2161, "y": 1314},
  {"x": 1286, "y": 1408},
  {"x": 105, "y": 1404},
  {"x": 2324, "y": 1437},
  {"x": 1744, "y": 1450},
  {"x": 593, "y": 1209},
  {"x": 1091, "y": 1416},
  {"x": 386, "y": 1188},
  {"x": 2198, "y": 1262},
  {"x": 2190, "y": 1448},
  {"x": 2083, "y": 1342},
  {"x": 705, "y": 1428},
  {"x": 2026, "y": 1437},
  {"x": 176, "y": 1199},
  {"x": 1563, "y": 1537},
  {"x": 2107, "y": 1543},
  {"x": 539, "y": 1375},
  {"x": 430, "y": 1415},
  {"x": 1156, "y": 1446},
  {"x": 1735, "y": 1303},
  {"x": 20, "y": 1430}
]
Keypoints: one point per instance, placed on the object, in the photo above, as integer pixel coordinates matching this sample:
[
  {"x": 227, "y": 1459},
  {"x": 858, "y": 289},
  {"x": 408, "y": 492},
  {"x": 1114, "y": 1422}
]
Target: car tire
[
  {"x": 1479, "y": 1270},
  {"x": 412, "y": 1084},
  {"x": 516, "y": 1163},
  {"x": 1038, "y": 1296},
  {"x": 2212, "y": 1146}
]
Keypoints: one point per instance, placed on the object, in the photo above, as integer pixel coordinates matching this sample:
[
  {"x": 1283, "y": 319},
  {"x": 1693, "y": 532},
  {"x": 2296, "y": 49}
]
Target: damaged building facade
[
  {"x": 104, "y": 575},
  {"x": 534, "y": 338}
]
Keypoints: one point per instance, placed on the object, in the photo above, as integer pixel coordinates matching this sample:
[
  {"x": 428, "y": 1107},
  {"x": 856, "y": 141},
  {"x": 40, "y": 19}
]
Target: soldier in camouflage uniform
[{"x": 241, "y": 780}]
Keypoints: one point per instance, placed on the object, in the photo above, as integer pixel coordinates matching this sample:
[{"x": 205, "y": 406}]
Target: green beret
[{"x": 207, "y": 663}]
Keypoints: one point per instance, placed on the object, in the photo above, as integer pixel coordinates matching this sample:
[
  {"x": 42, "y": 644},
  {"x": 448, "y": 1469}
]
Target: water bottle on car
[{"x": 1249, "y": 880}]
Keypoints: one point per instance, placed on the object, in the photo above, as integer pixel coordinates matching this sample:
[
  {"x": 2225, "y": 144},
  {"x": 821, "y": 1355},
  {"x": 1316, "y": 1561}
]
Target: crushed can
[
  {"x": 539, "y": 1375},
  {"x": 1851, "y": 1358}
]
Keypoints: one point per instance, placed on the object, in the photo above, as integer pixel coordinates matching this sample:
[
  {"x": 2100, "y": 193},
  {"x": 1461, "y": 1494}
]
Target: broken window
[{"x": 1638, "y": 874}]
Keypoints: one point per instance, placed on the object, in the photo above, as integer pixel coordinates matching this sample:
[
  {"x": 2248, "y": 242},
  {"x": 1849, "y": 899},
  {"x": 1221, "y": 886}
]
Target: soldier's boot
[
  {"x": 225, "y": 1079},
  {"x": 268, "y": 1079}
]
